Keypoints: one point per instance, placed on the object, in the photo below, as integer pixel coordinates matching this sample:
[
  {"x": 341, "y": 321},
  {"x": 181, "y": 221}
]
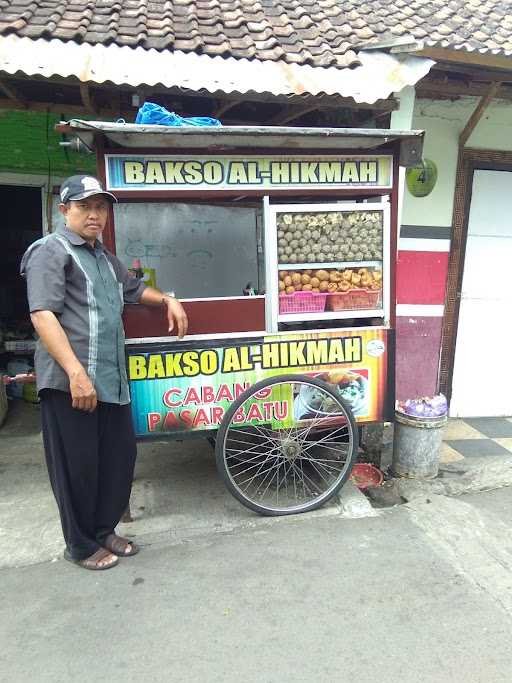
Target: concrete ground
[
  {"x": 419, "y": 592},
  {"x": 176, "y": 495}
]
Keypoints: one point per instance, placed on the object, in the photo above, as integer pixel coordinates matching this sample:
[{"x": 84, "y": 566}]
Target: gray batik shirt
[{"x": 86, "y": 288}]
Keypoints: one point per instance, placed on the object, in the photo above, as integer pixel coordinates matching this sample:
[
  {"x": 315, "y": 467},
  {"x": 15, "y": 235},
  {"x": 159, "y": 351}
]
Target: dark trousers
[{"x": 90, "y": 459}]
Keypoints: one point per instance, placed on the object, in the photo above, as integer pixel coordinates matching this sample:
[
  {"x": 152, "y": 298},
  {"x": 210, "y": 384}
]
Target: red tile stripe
[{"x": 421, "y": 277}]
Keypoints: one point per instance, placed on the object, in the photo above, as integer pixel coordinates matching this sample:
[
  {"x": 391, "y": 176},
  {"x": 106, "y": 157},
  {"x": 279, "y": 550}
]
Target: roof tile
[{"x": 317, "y": 32}]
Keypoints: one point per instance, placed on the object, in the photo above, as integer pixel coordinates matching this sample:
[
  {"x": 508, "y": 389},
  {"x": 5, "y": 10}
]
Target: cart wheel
[{"x": 285, "y": 464}]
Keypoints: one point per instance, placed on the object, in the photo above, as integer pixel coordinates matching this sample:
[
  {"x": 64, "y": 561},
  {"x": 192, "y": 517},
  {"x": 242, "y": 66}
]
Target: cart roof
[{"x": 224, "y": 139}]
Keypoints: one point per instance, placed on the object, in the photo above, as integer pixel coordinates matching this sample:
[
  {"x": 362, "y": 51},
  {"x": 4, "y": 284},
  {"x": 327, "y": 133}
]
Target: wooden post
[{"x": 478, "y": 113}]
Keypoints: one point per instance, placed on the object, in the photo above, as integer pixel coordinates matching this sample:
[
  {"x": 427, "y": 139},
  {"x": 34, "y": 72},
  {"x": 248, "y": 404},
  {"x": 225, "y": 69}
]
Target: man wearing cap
[{"x": 76, "y": 291}]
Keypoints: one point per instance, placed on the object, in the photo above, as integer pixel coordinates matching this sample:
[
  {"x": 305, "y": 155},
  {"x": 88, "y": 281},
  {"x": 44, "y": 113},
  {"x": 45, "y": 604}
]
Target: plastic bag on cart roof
[
  {"x": 156, "y": 115},
  {"x": 426, "y": 406}
]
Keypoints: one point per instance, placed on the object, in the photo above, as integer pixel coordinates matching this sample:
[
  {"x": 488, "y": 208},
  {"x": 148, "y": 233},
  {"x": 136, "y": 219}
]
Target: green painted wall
[{"x": 29, "y": 144}]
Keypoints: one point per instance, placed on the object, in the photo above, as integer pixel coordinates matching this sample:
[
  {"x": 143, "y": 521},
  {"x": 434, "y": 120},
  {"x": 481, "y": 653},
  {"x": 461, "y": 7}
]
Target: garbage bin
[{"x": 417, "y": 446}]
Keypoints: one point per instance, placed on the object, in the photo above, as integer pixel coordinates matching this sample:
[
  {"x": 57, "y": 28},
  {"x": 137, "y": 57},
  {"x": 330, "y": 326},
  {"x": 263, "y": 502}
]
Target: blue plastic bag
[{"x": 155, "y": 114}]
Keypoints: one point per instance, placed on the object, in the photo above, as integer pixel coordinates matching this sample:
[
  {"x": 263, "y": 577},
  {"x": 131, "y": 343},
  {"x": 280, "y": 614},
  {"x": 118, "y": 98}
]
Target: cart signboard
[
  {"x": 184, "y": 387},
  {"x": 180, "y": 172}
]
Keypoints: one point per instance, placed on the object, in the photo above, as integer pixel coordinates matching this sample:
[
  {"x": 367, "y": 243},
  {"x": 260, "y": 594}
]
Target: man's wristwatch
[{"x": 166, "y": 296}]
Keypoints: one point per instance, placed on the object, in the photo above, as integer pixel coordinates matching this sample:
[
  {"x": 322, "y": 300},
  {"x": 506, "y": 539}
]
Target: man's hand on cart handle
[{"x": 176, "y": 314}]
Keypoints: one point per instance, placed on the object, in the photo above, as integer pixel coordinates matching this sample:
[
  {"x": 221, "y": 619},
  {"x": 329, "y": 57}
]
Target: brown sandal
[
  {"x": 93, "y": 562},
  {"x": 119, "y": 546}
]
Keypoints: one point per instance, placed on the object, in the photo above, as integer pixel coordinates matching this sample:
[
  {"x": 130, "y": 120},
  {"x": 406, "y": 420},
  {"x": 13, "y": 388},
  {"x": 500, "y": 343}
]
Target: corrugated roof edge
[
  {"x": 378, "y": 76},
  {"x": 227, "y": 138}
]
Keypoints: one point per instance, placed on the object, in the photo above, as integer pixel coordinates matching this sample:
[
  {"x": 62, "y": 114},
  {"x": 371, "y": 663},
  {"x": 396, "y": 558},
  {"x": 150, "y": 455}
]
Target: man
[{"x": 76, "y": 290}]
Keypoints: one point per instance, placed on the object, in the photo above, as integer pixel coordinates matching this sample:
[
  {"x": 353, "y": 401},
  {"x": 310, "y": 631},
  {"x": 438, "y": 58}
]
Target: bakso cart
[{"x": 281, "y": 245}]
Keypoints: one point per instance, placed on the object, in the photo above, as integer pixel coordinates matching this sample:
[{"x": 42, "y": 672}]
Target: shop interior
[{"x": 21, "y": 225}]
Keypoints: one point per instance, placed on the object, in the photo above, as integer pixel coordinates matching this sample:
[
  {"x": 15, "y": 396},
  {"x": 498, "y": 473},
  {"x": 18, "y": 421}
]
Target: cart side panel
[
  {"x": 179, "y": 388},
  {"x": 216, "y": 316}
]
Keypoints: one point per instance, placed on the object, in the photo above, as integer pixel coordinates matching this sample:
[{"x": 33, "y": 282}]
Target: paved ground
[
  {"x": 421, "y": 593},
  {"x": 480, "y": 436},
  {"x": 176, "y": 494}
]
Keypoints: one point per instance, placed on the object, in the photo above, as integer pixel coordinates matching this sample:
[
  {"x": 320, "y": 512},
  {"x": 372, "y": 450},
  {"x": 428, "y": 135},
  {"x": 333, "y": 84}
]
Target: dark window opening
[{"x": 20, "y": 225}]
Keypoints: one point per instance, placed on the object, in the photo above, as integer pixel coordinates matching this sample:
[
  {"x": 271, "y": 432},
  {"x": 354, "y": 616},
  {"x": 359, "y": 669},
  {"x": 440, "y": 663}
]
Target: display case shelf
[
  {"x": 299, "y": 230},
  {"x": 330, "y": 315},
  {"x": 327, "y": 265}
]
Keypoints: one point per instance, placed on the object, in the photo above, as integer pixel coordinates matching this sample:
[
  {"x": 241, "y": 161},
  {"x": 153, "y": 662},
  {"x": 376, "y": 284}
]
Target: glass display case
[{"x": 328, "y": 261}]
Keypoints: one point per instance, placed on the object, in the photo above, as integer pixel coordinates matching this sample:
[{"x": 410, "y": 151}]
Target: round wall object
[{"x": 421, "y": 178}]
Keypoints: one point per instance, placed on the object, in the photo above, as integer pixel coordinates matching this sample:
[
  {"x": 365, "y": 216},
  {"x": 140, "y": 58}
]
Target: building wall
[
  {"x": 30, "y": 155},
  {"x": 443, "y": 122},
  {"x": 29, "y": 144},
  {"x": 425, "y": 235}
]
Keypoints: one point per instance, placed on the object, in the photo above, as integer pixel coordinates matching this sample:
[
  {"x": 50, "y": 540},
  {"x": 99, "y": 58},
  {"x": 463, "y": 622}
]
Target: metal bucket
[{"x": 417, "y": 446}]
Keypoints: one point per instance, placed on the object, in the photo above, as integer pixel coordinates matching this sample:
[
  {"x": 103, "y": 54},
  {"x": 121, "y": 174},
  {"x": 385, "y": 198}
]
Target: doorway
[
  {"x": 482, "y": 370},
  {"x": 21, "y": 225}
]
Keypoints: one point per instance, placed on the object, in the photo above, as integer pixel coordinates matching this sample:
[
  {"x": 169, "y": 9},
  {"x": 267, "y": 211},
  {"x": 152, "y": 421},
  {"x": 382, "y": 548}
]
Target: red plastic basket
[
  {"x": 355, "y": 300},
  {"x": 302, "y": 302}
]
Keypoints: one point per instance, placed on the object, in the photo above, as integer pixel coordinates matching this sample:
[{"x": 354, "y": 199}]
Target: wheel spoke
[
  {"x": 307, "y": 430},
  {"x": 268, "y": 472},
  {"x": 258, "y": 473},
  {"x": 316, "y": 443},
  {"x": 329, "y": 468},
  {"x": 252, "y": 467},
  {"x": 312, "y": 463},
  {"x": 250, "y": 444},
  {"x": 249, "y": 450},
  {"x": 238, "y": 452},
  {"x": 305, "y": 476},
  {"x": 245, "y": 461},
  {"x": 269, "y": 438},
  {"x": 270, "y": 481},
  {"x": 336, "y": 446},
  {"x": 261, "y": 438}
]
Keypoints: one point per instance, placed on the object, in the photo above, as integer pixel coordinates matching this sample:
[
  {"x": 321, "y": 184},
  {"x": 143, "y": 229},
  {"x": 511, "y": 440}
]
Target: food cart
[{"x": 281, "y": 244}]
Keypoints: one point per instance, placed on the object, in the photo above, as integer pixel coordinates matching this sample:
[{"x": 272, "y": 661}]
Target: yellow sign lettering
[
  {"x": 137, "y": 367},
  {"x": 368, "y": 172},
  {"x": 209, "y": 362},
  {"x": 174, "y": 172},
  {"x": 270, "y": 355},
  {"x": 173, "y": 365},
  {"x": 230, "y": 361},
  {"x": 350, "y": 174},
  {"x": 154, "y": 173},
  {"x": 133, "y": 172},
  {"x": 156, "y": 367},
  {"x": 317, "y": 352},
  {"x": 213, "y": 172},
  {"x": 308, "y": 172},
  {"x": 280, "y": 172},
  {"x": 192, "y": 171},
  {"x": 329, "y": 172},
  {"x": 297, "y": 356},
  {"x": 237, "y": 173},
  {"x": 353, "y": 349},
  {"x": 190, "y": 363},
  {"x": 226, "y": 172}
]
